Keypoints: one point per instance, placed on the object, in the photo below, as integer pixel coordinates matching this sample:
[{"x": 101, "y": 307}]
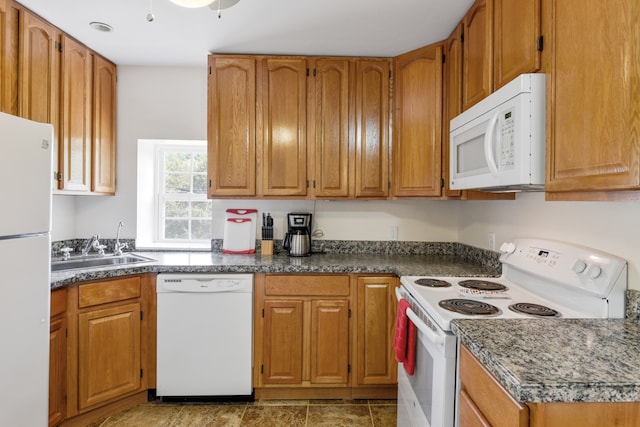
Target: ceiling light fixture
[
  {"x": 101, "y": 26},
  {"x": 192, "y": 3}
]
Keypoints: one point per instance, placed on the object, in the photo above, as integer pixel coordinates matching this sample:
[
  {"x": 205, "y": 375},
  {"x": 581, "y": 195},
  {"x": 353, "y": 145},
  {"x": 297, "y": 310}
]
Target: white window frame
[{"x": 150, "y": 196}]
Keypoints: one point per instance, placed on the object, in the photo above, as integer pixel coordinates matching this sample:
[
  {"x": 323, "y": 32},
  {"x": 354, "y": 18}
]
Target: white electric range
[{"x": 540, "y": 278}]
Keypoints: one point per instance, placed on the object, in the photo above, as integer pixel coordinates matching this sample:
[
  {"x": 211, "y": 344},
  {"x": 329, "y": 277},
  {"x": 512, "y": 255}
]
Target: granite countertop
[
  {"x": 558, "y": 360},
  {"x": 215, "y": 262}
]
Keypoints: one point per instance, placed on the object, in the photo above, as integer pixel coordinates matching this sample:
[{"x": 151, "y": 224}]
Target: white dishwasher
[{"x": 205, "y": 335}]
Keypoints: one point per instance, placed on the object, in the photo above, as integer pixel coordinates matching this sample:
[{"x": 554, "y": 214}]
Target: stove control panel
[{"x": 571, "y": 265}]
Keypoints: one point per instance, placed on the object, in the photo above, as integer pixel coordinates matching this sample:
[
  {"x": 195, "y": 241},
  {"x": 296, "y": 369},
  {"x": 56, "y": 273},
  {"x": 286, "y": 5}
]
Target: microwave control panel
[{"x": 507, "y": 140}]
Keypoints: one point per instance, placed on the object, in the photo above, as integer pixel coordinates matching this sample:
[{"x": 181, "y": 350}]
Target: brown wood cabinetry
[
  {"x": 49, "y": 77},
  {"x": 376, "y": 315},
  {"x": 109, "y": 345},
  {"x": 477, "y": 54},
  {"x": 298, "y": 127},
  {"x": 484, "y": 402},
  {"x": 58, "y": 357},
  {"x": 417, "y": 155},
  {"x": 372, "y": 128},
  {"x": 75, "y": 138},
  {"x": 103, "y": 165},
  {"x": 329, "y": 126},
  {"x": 39, "y": 66},
  {"x": 282, "y": 152},
  {"x": 516, "y": 39},
  {"x": 232, "y": 131},
  {"x": 302, "y": 331},
  {"x": 593, "y": 106}
]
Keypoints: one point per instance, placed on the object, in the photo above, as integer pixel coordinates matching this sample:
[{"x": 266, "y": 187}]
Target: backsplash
[
  {"x": 78, "y": 244},
  {"x": 633, "y": 305}
]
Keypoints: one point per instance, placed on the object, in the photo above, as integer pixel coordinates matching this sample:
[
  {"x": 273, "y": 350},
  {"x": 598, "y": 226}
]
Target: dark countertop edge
[{"x": 546, "y": 393}]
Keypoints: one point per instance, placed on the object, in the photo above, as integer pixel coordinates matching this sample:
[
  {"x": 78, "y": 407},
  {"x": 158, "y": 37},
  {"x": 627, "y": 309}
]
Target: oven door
[{"x": 427, "y": 398}]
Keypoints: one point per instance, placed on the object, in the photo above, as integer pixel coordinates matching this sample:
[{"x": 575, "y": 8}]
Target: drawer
[
  {"x": 58, "y": 302},
  {"x": 489, "y": 397},
  {"x": 109, "y": 291},
  {"x": 307, "y": 285}
]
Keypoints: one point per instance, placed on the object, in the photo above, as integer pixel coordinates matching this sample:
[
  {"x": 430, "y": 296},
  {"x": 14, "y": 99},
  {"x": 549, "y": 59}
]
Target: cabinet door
[
  {"x": 284, "y": 137},
  {"x": 516, "y": 29},
  {"x": 417, "y": 155},
  {"x": 372, "y": 129},
  {"x": 478, "y": 57},
  {"x": 9, "y": 38},
  {"x": 75, "y": 161},
  {"x": 104, "y": 127},
  {"x": 282, "y": 342},
  {"x": 452, "y": 99},
  {"x": 39, "y": 64},
  {"x": 329, "y": 112},
  {"x": 57, "y": 369},
  {"x": 108, "y": 354},
  {"x": 593, "y": 108},
  {"x": 375, "y": 327},
  {"x": 232, "y": 126},
  {"x": 329, "y": 341}
]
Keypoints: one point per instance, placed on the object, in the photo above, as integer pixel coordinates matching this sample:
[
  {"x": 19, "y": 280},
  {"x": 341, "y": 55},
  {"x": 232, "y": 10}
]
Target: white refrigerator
[{"x": 25, "y": 273}]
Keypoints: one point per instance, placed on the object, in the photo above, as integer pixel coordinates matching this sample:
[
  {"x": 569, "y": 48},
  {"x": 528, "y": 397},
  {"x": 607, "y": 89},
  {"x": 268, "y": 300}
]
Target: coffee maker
[{"x": 297, "y": 240}]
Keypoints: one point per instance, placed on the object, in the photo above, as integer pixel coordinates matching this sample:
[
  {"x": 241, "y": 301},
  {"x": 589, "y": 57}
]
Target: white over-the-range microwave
[{"x": 499, "y": 143}]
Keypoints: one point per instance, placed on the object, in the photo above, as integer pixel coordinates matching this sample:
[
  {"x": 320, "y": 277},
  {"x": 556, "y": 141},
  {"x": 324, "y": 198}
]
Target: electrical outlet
[
  {"x": 492, "y": 240},
  {"x": 393, "y": 232}
]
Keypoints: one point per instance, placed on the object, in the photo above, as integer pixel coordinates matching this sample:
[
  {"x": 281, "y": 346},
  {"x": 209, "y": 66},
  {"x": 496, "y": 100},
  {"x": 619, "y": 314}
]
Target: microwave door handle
[{"x": 489, "y": 142}]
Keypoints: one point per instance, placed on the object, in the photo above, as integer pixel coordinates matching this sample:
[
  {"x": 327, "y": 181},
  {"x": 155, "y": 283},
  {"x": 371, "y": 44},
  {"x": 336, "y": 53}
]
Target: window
[{"x": 176, "y": 213}]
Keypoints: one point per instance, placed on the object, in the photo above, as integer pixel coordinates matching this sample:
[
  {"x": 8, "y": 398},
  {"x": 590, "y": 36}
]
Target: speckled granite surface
[
  {"x": 213, "y": 262},
  {"x": 633, "y": 305},
  {"x": 558, "y": 360}
]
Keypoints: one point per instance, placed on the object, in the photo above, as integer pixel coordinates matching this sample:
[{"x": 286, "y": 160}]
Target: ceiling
[{"x": 183, "y": 37}]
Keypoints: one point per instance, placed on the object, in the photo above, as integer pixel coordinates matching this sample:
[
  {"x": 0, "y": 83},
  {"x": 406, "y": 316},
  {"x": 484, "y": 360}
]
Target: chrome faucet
[
  {"x": 93, "y": 242},
  {"x": 117, "y": 250}
]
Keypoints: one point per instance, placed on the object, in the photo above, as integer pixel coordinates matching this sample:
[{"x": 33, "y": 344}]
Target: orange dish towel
[{"x": 404, "y": 341}]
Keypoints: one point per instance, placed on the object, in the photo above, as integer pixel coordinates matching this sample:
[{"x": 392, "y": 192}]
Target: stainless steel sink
[{"x": 93, "y": 262}]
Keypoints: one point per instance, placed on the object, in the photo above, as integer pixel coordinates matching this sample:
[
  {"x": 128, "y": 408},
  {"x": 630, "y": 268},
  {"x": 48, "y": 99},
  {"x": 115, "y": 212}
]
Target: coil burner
[
  {"x": 470, "y": 307},
  {"x": 482, "y": 285},
  {"x": 432, "y": 283},
  {"x": 533, "y": 309}
]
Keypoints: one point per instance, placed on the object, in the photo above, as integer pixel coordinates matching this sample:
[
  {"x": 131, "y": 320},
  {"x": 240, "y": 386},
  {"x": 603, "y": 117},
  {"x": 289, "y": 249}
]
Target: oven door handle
[{"x": 431, "y": 336}]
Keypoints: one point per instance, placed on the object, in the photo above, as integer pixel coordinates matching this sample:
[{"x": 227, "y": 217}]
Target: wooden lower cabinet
[
  {"x": 376, "y": 315},
  {"x": 484, "y": 402},
  {"x": 111, "y": 335},
  {"x": 57, "y": 357},
  {"x": 305, "y": 337}
]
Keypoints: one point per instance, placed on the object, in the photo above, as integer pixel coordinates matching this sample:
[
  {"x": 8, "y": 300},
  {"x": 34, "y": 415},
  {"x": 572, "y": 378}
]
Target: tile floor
[{"x": 265, "y": 413}]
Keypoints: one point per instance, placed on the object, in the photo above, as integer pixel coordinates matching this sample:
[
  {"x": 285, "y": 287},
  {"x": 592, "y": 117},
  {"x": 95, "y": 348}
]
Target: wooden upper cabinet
[
  {"x": 75, "y": 155},
  {"x": 283, "y": 155},
  {"x": 516, "y": 39},
  {"x": 39, "y": 65},
  {"x": 452, "y": 104},
  {"x": 232, "y": 126},
  {"x": 417, "y": 155},
  {"x": 329, "y": 127},
  {"x": 372, "y": 128},
  {"x": 478, "y": 55},
  {"x": 9, "y": 52},
  {"x": 593, "y": 105},
  {"x": 104, "y": 127}
]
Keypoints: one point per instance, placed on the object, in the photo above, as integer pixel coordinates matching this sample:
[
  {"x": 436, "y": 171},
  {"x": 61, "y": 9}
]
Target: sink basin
[{"x": 92, "y": 262}]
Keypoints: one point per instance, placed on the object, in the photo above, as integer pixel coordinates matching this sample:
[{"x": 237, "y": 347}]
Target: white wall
[{"x": 613, "y": 227}]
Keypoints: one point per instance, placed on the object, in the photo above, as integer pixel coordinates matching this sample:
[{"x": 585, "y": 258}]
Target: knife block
[{"x": 266, "y": 247}]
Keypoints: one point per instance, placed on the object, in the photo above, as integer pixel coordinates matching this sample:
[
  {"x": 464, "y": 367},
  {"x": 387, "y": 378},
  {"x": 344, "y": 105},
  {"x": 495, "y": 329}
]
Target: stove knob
[
  {"x": 593, "y": 271},
  {"x": 508, "y": 248},
  {"x": 579, "y": 266}
]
